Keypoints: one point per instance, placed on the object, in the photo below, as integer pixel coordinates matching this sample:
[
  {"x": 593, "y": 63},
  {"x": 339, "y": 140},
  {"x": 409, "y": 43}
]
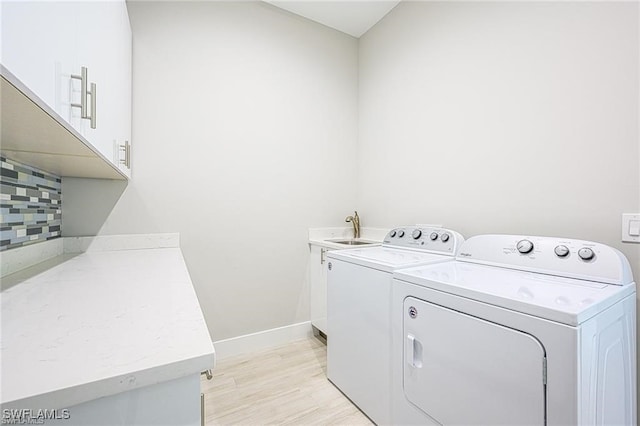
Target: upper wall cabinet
[{"x": 75, "y": 57}]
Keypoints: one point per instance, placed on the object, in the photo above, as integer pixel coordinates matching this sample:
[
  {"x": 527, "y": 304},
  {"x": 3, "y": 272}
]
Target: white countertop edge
[
  {"x": 319, "y": 236},
  {"x": 20, "y": 258},
  {"x": 121, "y": 242},
  {"x": 347, "y": 232},
  {"x": 337, "y": 246},
  {"x": 76, "y": 392},
  {"x": 71, "y": 396}
]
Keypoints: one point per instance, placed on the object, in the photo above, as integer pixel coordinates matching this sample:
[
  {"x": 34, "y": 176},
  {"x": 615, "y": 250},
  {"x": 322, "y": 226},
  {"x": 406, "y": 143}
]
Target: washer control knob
[
  {"x": 586, "y": 253},
  {"x": 444, "y": 237},
  {"x": 525, "y": 246},
  {"x": 400, "y": 233},
  {"x": 433, "y": 236},
  {"x": 561, "y": 251},
  {"x": 416, "y": 234},
  {"x": 392, "y": 233}
]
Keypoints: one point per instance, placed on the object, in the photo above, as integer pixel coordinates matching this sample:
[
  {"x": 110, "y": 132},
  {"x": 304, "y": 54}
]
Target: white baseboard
[{"x": 262, "y": 340}]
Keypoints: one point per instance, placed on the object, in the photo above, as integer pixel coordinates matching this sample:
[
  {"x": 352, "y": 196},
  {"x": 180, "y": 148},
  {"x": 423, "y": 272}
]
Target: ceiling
[{"x": 353, "y": 17}]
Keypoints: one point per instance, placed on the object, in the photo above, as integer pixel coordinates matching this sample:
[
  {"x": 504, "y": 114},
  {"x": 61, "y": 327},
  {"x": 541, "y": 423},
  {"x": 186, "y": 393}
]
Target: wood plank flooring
[{"x": 286, "y": 385}]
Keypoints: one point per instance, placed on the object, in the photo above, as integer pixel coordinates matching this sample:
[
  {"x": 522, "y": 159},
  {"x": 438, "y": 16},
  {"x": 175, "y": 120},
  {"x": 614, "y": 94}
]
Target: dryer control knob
[
  {"x": 416, "y": 234},
  {"x": 444, "y": 237},
  {"x": 586, "y": 253},
  {"x": 392, "y": 233},
  {"x": 561, "y": 251},
  {"x": 400, "y": 233},
  {"x": 525, "y": 246},
  {"x": 433, "y": 236}
]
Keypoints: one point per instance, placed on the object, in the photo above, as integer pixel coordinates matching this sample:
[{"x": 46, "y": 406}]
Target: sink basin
[{"x": 351, "y": 242}]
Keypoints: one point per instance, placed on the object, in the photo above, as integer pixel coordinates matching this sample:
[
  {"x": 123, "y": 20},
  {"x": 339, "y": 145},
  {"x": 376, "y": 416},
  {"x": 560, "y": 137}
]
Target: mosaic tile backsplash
[{"x": 31, "y": 206}]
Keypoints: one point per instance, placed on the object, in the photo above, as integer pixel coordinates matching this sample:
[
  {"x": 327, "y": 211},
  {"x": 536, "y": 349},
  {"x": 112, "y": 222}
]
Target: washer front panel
[{"x": 358, "y": 337}]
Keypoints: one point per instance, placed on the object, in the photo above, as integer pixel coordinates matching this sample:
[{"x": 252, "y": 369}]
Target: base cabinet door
[
  {"x": 318, "y": 287},
  {"x": 175, "y": 402}
]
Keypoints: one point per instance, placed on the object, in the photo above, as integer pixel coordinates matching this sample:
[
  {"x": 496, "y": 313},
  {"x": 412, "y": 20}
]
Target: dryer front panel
[{"x": 459, "y": 369}]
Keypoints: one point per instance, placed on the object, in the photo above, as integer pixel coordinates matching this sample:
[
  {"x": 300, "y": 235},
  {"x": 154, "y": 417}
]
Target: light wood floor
[{"x": 285, "y": 385}]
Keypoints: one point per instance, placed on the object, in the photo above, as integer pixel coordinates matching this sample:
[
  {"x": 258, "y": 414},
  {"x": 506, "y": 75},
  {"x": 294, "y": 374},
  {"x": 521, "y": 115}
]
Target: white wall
[
  {"x": 502, "y": 117},
  {"x": 244, "y": 136},
  {"x": 505, "y": 117}
]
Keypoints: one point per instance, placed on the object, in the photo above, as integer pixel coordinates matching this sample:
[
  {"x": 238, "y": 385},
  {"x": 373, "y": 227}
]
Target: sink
[{"x": 352, "y": 242}]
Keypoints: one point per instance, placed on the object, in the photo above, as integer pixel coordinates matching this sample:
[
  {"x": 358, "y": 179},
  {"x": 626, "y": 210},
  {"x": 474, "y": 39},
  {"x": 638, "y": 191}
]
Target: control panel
[
  {"x": 564, "y": 257},
  {"x": 436, "y": 240}
]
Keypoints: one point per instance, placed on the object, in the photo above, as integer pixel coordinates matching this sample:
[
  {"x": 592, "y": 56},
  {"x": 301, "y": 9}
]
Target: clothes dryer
[
  {"x": 517, "y": 331},
  {"x": 358, "y": 311}
]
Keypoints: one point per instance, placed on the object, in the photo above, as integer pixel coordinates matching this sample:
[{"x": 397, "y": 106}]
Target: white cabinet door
[
  {"x": 318, "y": 286},
  {"x": 175, "y": 402},
  {"x": 45, "y": 43},
  {"x": 104, "y": 47},
  {"x": 39, "y": 47},
  {"x": 121, "y": 77},
  {"x": 463, "y": 370}
]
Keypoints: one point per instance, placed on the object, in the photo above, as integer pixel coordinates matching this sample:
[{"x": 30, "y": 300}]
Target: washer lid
[
  {"x": 387, "y": 259},
  {"x": 565, "y": 300}
]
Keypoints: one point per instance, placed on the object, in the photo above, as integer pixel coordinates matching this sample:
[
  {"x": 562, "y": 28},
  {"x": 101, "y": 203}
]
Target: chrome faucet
[{"x": 355, "y": 221}]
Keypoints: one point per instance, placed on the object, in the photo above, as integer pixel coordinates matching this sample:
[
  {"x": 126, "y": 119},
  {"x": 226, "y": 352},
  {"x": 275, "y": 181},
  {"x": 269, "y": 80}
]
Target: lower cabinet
[
  {"x": 318, "y": 287},
  {"x": 175, "y": 402}
]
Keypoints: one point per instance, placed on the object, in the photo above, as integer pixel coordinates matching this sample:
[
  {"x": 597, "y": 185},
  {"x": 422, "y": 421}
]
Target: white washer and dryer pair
[
  {"x": 517, "y": 331},
  {"x": 359, "y": 311}
]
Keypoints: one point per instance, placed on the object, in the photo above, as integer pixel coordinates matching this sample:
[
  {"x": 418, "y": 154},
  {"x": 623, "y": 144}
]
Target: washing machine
[
  {"x": 358, "y": 311},
  {"x": 518, "y": 330}
]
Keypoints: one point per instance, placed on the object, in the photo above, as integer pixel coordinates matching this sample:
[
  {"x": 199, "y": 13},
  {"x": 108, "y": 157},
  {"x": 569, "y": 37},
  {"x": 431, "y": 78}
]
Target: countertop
[
  {"x": 323, "y": 236},
  {"x": 86, "y": 325}
]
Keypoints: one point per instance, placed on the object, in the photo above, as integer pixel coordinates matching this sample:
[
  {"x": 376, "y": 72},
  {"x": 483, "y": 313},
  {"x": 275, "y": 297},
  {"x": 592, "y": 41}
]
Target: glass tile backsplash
[{"x": 31, "y": 205}]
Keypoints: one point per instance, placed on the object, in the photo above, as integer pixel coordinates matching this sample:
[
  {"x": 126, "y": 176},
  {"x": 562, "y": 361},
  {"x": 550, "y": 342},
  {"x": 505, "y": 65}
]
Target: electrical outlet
[{"x": 631, "y": 228}]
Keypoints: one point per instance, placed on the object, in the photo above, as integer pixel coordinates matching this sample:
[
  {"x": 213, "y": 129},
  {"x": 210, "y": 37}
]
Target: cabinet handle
[
  {"x": 322, "y": 252},
  {"x": 201, "y": 409},
  {"x": 84, "y": 92},
  {"x": 84, "y": 78},
  {"x": 94, "y": 113},
  {"x": 127, "y": 154}
]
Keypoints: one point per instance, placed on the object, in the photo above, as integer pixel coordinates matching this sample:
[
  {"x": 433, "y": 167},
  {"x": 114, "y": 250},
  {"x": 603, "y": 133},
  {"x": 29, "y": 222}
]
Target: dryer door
[{"x": 460, "y": 369}]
